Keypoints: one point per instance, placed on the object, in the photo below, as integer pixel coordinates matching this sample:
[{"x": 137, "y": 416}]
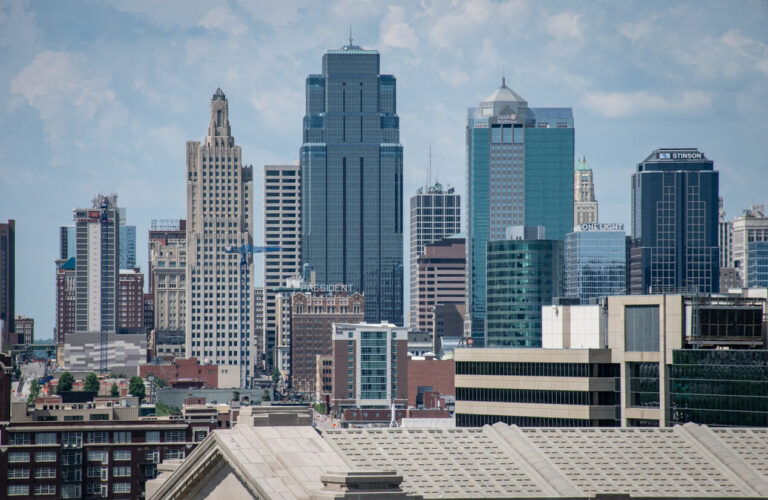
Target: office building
[
  {"x": 168, "y": 266},
  {"x": 595, "y": 261},
  {"x": 448, "y": 329},
  {"x": 7, "y": 276},
  {"x": 66, "y": 298},
  {"x": 97, "y": 262},
  {"x": 370, "y": 366},
  {"x": 258, "y": 321},
  {"x": 441, "y": 279},
  {"x": 313, "y": 314},
  {"x": 66, "y": 242},
  {"x": 675, "y": 224},
  {"x": 284, "y": 314},
  {"x": 25, "y": 330},
  {"x": 729, "y": 275},
  {"x": 127, "y": 247},
  {"x": 166, "y": 232},
  {"x": 524, "y": 273},
  {"x": 130, "y": 312},
  {"x": 149, "y": 312},
  {"x": 584, "y": 202},
  {"x": 219, "y": 206},
  {"x": 630, "y": 361},
  {"x": 756, "y": 268},
  {"x": 282, "y": 228},
  {"x": 435, "y": 214},
  {"x": 519, "y": 172},
  {"x": 751, "y": 226},
  {"x": 352, "y": 181}
]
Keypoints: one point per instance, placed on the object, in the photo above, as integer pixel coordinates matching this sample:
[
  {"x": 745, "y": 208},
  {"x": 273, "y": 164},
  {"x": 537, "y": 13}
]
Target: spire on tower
[
  {"x": 503, "y": 80},
  {"x": 350, "y": 35}
]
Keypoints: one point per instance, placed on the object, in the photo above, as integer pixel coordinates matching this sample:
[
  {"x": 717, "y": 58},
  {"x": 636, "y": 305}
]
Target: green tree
[
  {"x": 320, "y": 408},
  {"x": 34, "y": 391},
  {"x": 160, "y": 383},
  {"x": 92, "y": 383},
  {"x": 275, "y": 375},
  {"x": 162, "y": 409},
  {"x": 136, "y": 387},
  {"x": 65, "y": 383},
  {"x": 114, "y": 391}
]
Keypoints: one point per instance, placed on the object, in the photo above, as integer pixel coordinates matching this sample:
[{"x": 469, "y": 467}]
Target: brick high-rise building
[
  {"x": 282, "y": 227},
  {"x": 130, "y": 316},
  {"x": 312, "y": 318},
  {"x": 441, "y": 279},
  {"x": 219, "y": 206},
  {"x": 66, "y": 297},
  {"x": 7, "y": 275},
  {"x": 25, "y": 330}
]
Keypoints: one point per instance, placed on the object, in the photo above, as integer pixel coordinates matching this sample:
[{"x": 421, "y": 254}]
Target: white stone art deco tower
[{"x": 219, "y": 206}]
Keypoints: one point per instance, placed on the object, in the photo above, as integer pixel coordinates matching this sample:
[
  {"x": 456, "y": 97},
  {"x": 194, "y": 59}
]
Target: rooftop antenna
[
  {"x": 503, "y": 80},
  {"x": 350, "y": 35},
  {"x": 429, "y": 170}
]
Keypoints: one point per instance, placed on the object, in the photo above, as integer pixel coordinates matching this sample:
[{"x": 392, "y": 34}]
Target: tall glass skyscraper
[
  {"x": 675, "y": 224},
  {"x": 519, "y": 172},
  {"x": 352, "y": 181},
  {"x": 595, "y": 261}
]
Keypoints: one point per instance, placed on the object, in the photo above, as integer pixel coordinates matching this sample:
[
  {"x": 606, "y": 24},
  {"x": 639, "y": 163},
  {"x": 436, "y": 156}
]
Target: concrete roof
[{"x": 492, "y": 462}]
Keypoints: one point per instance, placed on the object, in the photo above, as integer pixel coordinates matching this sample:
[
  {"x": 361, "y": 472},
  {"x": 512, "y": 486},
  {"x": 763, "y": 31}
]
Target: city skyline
[{"x": 80, "y": 121}]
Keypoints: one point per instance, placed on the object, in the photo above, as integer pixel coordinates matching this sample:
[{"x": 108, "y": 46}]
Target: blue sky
[{"x": 101, "y": 96}]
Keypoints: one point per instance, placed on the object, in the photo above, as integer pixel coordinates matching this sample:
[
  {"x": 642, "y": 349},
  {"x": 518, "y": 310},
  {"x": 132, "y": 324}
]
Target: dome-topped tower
[
  {"x": 503, "y": 94},
  {"x": 503, "y": 100}
]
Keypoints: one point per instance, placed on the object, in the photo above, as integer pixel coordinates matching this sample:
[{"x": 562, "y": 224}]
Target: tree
[
  {"x": 92, "y": 383},
  {"x": 136, "y": 387},
  {"x": 160, "y": 383},
  {"x": 320, "y": 408},
  {"x": 114, "y": 391},
  {"x": 65, "y": 383},
  {"x": 275, "y": 375},
  {"x": 34, "y": 391},
  {"x": 162, "y": 409}
]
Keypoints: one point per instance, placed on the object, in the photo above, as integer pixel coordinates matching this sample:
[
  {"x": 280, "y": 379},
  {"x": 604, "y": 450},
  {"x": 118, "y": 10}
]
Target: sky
[{"x": 101, "y": 97}]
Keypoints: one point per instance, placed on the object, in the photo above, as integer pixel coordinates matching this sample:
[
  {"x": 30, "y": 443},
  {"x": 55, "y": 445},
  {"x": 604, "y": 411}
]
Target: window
[
  {"x": 19, "y": 438},
  {"x": 18, "y": 473},
  {"x": 121, "y": 454},
  {"x": 45, "y": 438},
  {"x": 121, "y": 471},
  {"x": 45, "y": 456},
  {"x": 152, "y": 437},
  {"x": 18, "y": 457},
  {"x": 71, "y": 491},
  {"x": 45, "y": 489},
  {"x": 121, "y": 488},
  {"x": 15, "y": 490},
  {"x": 98, "y": 437},
  {"x": 94, "y": 471},
  {"x": 74, "y": 439},
  {"x": 173, "y": 455},
  {"x": 200, "y": 435},
  {"x": 98, "y": 456},
  {"x": 122, "y": 437},
  {"x": 152, "y": 456},
  {"x": 174, "y": 436},
  {"x": 45, "y": 472},
  {"x": 641, "y": 328}
]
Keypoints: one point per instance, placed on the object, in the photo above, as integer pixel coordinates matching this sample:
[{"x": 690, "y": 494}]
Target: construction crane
[{"x": 244, "y": 251}]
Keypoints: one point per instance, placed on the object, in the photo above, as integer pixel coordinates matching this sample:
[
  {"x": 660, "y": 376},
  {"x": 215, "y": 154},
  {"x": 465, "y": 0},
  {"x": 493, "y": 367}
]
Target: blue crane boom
[{"x": 244, "y": 251}]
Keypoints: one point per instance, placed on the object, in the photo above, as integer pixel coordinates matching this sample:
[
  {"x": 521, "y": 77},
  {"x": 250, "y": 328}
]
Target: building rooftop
[
  {"x": 496, "y": 461},
  {"x": 503, "y": 94},
  {"x": 582, "y": 165}
]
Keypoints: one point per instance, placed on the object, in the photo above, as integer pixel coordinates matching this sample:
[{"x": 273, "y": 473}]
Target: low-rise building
[
  {"x": 183, "y": 371},
  {"x": 428, "y": 374}
]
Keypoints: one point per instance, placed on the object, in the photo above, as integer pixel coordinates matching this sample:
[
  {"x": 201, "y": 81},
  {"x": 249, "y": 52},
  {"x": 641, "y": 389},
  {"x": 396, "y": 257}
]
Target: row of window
[
  {"x": 537, "y": 369},
  {"x": 23, "y": 490},
  {"x": 76, "y": 438},
  {"x": 469, "y": 420},
  {"x": 535, "y": 396}
]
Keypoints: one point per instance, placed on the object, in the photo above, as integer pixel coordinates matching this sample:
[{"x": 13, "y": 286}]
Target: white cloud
[
  {"x": 166, "y": 14},
  {"x": 564, "y": 25},
  {"x": 636, "y": 32},
  {"x": 395, "y": 32},
  {"x": 60, "y": 86},
  {"x": 274, "y": 13},
  {"x": 454, "y": 76},
  {"x": 223, "y": 19},
  {"x": 642, "y": 103},
  {"x": 281, "y": 109}
]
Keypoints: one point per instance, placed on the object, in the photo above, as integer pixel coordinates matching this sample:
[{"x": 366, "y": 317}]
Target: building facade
[
  {"x": 66, "y": 242},
  {"x": 219, "y": 206},
  {"x": 352, "y": 181},
  {"x": 751, "y": 226},
  {"x": 595, "y": 261},
  {"x": 312, "y": 317},
  {"x": 168, "y": 266},
  {"x": 522, "y": 275},
  {"x": 7, "y": 276},
  {"x": 441, "y": 279},
  {"x": 675, "y": 224},
  {"x": 130, "y": 311},
  {"x": 370, "y": 366},
  {"x": 435, "y": 214},
  {"x": 282, "y": 227},
  {"x": 66, "y": 298},
  {"x": 165, "y": 232},
  {"x": 756, "y": 269},
  {"x": 25, "y": 330},
  {"x": 584, "y": 202},
  {"x": 519, "y": 172},
  {"x": 127, "y": 246},
  {"x": 97, "y": 263}
]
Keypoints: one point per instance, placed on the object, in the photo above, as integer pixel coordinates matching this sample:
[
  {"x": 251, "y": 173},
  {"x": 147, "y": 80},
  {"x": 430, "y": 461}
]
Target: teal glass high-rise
[
  {"x": 519, "y": 172},
  {"x": 352, "y": 181}
]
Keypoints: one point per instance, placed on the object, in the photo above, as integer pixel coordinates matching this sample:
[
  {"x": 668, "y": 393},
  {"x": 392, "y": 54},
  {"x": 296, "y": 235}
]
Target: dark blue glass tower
[
  {"x": 352, "y": 181},
  {"x": 675, "y": 224}
]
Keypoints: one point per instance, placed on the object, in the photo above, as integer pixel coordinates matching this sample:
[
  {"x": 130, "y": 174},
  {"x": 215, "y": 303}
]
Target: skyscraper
[
  {"x": 352, "y": 181},
  {"x": 66, "y": 242},
  {"x": 441, "y": 278},
  {"x": 127, "y": 247},
  {"x": 584, "y": 202},
  {"x": 97, "y": 251},
  {"x": 435, "y": 214},
  {"x": 595, "y": 261},
  {"x": 219, "y": 197},
  {"x": 66, "y": 299},
  {"x": 675, "y": 223},
  {"x": 7, "y": 276},
  {"x": 519, "y": 172},
  {"x": 282, "y": 227}
]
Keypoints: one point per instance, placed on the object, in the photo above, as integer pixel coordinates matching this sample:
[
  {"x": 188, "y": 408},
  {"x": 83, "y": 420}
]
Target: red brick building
[
  {"x": 66, "y": 292},
  {"x": 130, "y": 309},
  {"x": 441, "y": 279},
  {"x": 184, "y": 372},
  {"x": 429, "y": 375}
]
